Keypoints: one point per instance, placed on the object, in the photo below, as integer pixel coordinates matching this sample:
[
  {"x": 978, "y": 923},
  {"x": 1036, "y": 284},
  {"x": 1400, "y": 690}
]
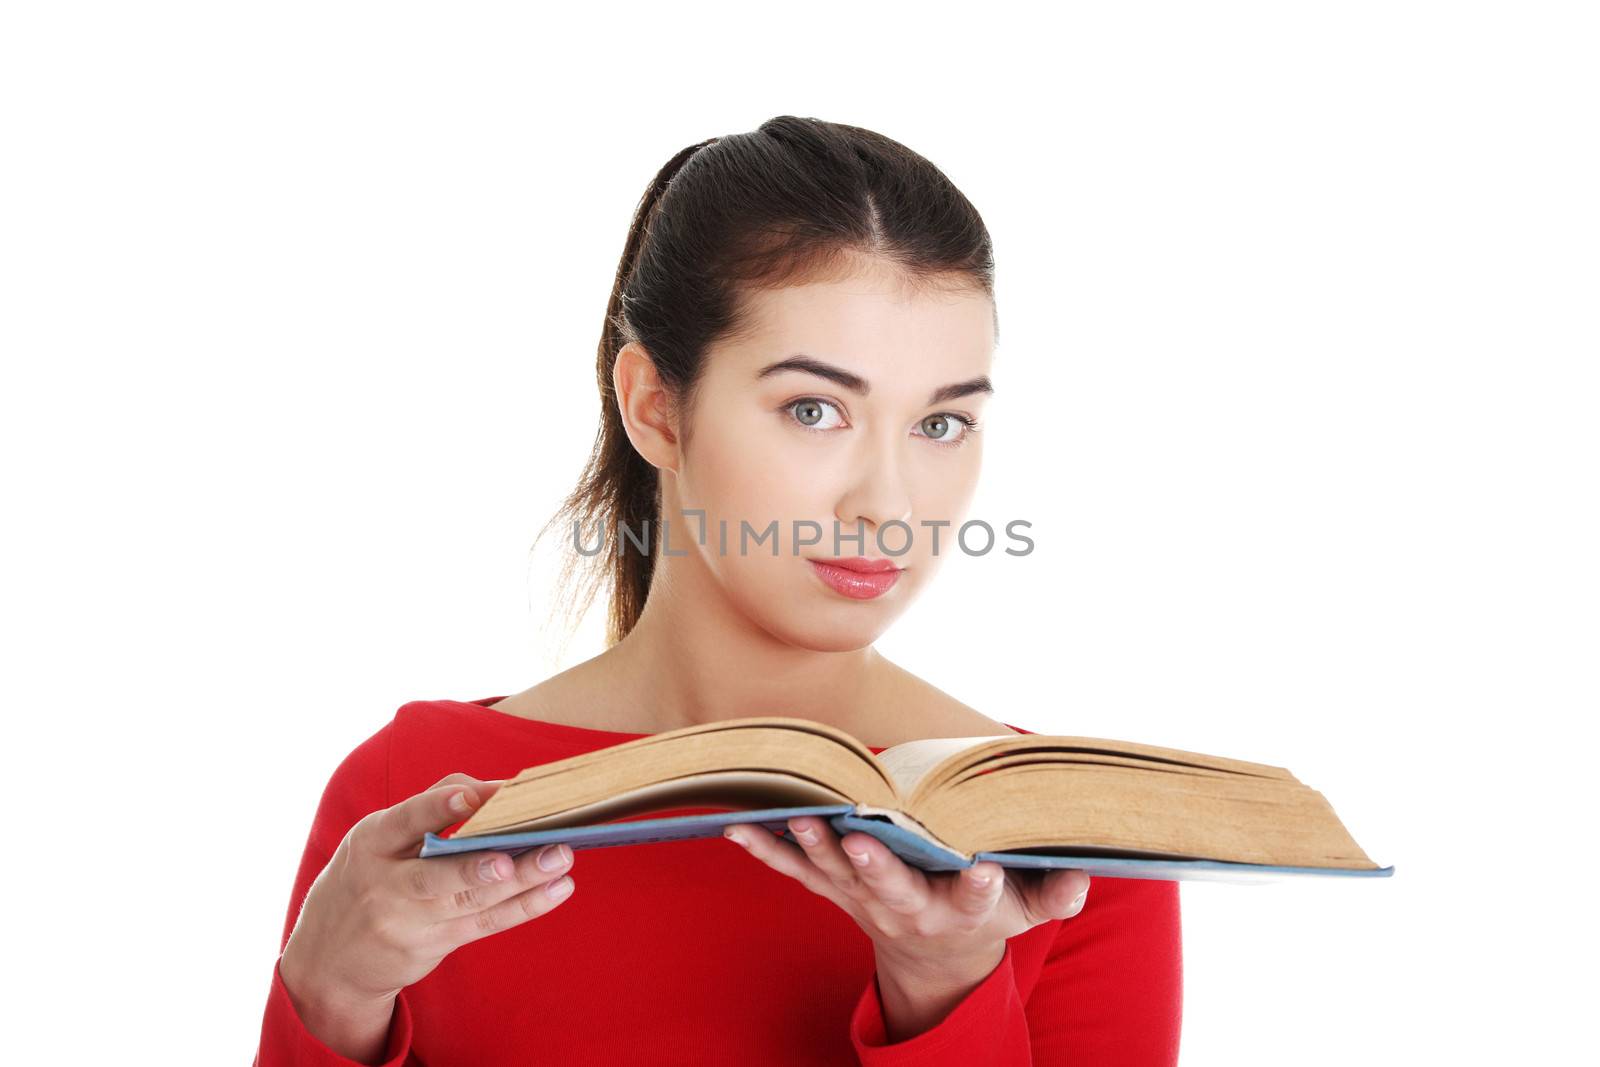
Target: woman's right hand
[{"x": 378, "y": 918}]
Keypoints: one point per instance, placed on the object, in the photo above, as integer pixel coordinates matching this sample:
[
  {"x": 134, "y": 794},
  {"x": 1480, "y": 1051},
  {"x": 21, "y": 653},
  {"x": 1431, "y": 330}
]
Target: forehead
[{"x": 874, "y": 322}]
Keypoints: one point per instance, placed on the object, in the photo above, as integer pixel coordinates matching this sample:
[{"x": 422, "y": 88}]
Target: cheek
[
  {"x": 739, "y": 473},
  {"x": 751, "y": 473},
  {"x": 948, "y": 497},
  {"x": 942, "y": 489}
]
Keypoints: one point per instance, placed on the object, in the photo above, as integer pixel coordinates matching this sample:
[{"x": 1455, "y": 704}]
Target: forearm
[
  {"x": 355, "y": 1029},
  {"x": 917, "y": 995}
]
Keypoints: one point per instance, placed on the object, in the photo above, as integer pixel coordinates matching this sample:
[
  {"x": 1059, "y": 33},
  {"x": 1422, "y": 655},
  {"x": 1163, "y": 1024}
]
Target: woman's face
[{"x": 885, "y": 438}]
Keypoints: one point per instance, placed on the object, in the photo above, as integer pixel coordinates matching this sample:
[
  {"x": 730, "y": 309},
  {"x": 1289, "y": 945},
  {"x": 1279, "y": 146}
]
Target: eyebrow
[{"x": 857, "y": 384}]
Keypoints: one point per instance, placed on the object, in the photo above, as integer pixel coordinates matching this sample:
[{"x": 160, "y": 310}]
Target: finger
[
  {"x": 400, "y": 828},
  {"x": 887, "y": 878},
  {"x": 820, "y": 845},
  {"x": 1059, "y": 895},
  {"x": 976, "y": 889},
  {"x": 485, "y": 787},
  {"x": 458, "y": 884},
  {"x": 541, "y": 899},
  {"x": 782, "y": 857}
]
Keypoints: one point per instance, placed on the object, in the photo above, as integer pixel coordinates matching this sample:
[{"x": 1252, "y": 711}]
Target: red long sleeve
[
  {"x": 695, "y": 952},
  {"x": 1108, "y": 990},
  {"x": 359, "y": 785},
  {"x": 987, "y": 1027}
]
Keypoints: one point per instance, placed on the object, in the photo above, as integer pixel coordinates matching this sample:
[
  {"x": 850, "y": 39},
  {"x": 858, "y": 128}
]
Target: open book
[{"x": 1111, "y": 808}]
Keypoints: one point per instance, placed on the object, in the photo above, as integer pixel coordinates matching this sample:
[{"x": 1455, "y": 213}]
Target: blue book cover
[{"x": 912, "y": 848}]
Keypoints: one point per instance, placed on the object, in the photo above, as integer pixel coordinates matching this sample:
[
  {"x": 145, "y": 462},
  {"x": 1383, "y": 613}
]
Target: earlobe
[{"x": 644, "y": 407}]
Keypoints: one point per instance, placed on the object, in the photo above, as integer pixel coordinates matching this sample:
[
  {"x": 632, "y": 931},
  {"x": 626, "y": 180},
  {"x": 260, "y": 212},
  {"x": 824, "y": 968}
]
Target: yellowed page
[{"x": 909, "y": 761}]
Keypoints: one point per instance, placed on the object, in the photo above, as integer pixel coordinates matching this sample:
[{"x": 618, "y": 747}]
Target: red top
[{"x": 697, "y": 952}]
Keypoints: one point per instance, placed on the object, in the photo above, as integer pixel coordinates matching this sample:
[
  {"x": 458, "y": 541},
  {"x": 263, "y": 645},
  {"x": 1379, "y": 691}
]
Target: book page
[
  {"x": 735, "y": 790},
  {"x": 908, "y": 762}
]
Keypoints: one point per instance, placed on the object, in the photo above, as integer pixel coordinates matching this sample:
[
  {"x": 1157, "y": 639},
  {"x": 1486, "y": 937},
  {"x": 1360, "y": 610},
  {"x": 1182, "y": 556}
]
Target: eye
[
  {"x": 811, "y": 413},
  {"x": 942, "y": 429}
]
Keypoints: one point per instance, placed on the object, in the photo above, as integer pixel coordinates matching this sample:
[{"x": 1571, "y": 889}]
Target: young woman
[{"x": 801, "y": 332}]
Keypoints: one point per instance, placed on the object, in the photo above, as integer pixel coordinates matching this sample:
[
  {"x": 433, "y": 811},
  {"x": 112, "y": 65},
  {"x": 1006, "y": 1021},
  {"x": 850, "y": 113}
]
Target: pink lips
[{"x": 858, "y": 578}]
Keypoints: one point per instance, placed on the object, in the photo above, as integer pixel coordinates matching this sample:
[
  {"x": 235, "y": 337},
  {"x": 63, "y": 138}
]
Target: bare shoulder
[
  {"x": 570, "y": 698},
  {"x": 937, "y": 713},
  {"x": 900, "y": 706},
  {"x": 531, "y": 703}
]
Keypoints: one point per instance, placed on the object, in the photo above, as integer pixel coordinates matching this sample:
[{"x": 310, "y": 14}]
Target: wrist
[
  {"x": 913, "y": 971},
  {"x": 356, "y": 1026},
  {"x": 917, "y": 993}
]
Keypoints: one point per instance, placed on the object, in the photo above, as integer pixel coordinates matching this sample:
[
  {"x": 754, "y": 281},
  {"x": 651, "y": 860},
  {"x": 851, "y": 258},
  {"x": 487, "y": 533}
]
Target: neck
[{"x": 694, "y": 658}]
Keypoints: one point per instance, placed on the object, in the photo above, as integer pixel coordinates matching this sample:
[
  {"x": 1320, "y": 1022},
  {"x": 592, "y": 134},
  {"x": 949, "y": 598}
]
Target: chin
[
  {"x": 821, "y": 621},
  {"x": 847, "y": 638},
  {"x": 817, "y": 635}
]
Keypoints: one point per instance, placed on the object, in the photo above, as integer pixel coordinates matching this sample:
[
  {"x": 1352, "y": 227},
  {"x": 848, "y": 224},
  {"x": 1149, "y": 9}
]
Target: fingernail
[
  {"x": 858, "y": 858},
  {"x": 737, "y": 838},
  {"x": 459, "y": 803},
  {"x": 553, "y": 857},
  {"x": 806, "y": 835},
  {"x": 1077, "y": 901},
  {"x": 490, "y": 870},
  {"x": 560, "y": 887}
]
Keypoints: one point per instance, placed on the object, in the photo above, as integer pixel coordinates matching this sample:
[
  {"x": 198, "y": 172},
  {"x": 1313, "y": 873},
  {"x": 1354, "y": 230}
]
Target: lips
[
  {"x": 858, "y": 578},
  {"x": 861, "y": 564}
]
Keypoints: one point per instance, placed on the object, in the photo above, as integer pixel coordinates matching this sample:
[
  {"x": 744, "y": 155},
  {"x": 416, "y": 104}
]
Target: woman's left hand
[{"x": 915, "y": 918}]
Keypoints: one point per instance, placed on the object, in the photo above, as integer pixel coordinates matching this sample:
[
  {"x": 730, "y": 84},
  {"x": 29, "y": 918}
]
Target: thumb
[
  {"x": 483, "y": 789},
  {"x": 448, "y": 802},
  {"x": 464, "y": 804},
  {"x": 978, "y": 887},
  {"x": 1063, "y": 894}
]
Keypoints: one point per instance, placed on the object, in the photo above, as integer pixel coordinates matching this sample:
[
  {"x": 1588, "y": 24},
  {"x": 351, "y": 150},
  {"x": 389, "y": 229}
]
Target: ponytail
[{"x": 617, "y": 485}]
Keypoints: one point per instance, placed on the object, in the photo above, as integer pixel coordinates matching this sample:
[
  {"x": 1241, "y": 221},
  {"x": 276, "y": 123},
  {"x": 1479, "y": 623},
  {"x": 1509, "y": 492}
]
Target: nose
[{"x": 878, "y": 496}]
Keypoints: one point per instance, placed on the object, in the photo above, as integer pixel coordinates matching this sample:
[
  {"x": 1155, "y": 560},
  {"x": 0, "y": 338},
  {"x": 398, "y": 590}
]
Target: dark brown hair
[{"x": 795, "y": 201}]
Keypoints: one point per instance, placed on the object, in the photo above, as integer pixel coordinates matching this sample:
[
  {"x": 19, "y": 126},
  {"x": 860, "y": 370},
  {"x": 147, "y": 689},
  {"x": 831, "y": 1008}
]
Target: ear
[{"x": 645, "y": 407}]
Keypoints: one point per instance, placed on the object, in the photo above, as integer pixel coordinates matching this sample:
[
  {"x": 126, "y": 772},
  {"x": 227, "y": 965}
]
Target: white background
[{"x": 1296, "y": 382}]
